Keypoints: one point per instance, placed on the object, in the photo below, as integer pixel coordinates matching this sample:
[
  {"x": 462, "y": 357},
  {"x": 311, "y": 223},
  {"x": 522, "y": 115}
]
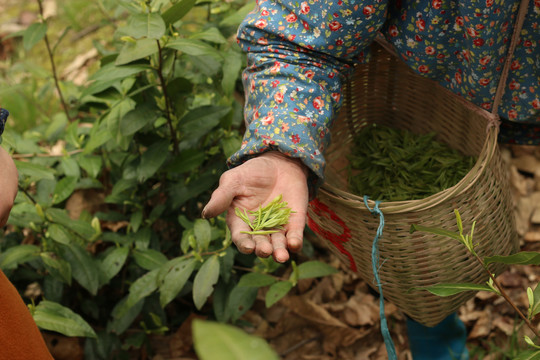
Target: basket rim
[{"x": 486, "y": 155}]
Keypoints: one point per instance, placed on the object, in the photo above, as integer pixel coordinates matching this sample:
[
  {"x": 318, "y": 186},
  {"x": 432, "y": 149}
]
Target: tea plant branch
[
  {"x": 243, "y": 268},
  {"x": 467, "y": 241},
  {"x": 25, "y": 192},
  {"x": 505, "y": 296},
  {"x": 166, "y": 96},
  {"x": 300, "y": 344},
  {"x": 29, "y": 156},
  {"x": 53, "y": 67},
  {"x": 104, "y": 12}
]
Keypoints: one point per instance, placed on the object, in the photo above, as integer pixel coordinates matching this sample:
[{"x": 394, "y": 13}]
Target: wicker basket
[{"x": 385, "y": 91}]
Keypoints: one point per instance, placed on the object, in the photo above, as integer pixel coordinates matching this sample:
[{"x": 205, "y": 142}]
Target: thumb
[{"x": 219, "y": 202}]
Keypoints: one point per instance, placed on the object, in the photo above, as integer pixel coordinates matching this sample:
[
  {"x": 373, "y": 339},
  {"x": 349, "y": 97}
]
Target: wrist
[{"x": 296, "y": 163}]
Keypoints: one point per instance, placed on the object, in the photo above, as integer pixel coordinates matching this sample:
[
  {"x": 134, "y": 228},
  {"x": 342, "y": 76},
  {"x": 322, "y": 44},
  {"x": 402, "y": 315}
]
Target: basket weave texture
[{"x": 385, "y": 91}]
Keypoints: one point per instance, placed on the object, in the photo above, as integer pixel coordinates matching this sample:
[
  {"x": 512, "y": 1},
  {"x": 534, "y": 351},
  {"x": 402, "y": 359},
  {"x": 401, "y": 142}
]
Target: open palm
[{"x": 257, "y": 182}]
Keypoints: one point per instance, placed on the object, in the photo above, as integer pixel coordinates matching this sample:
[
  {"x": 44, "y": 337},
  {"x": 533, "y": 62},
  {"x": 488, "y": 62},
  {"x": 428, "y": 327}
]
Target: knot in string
[
  {"x": 375, "y": 260},
  {"x": 493, "y": 121}
]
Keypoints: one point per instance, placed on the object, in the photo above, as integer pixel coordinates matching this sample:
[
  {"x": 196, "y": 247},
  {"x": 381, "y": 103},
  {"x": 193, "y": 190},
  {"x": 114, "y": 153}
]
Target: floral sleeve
[{"x": 298, "y": 55}]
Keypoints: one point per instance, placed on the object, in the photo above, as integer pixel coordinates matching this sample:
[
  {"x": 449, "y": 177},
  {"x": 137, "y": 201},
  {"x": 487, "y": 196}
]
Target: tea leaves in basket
[{"x": 393, "y": 165}]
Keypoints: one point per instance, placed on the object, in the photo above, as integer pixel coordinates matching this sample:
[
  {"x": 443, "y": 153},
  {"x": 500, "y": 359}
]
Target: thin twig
[
  {"x": 507, "y": 298},
  {"x": 53, "y": 65},
  {"x": 28, "y": 156},
  {"x": 167, "y": 100},
  {"x": 300, "y": 344},
  {"x": 27, "y": 194}
]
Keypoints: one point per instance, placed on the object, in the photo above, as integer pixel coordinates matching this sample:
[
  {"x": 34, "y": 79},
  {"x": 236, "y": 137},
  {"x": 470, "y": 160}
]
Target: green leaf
[
  {"x": 149, "y": 25},
  {"x": 152, "y": 159},
  {"x": 149, "y": 259},
  {"x": 529, "y": 342},
  {"x": 231, "y": 68},
  {"x": 203, "y": 233},
  {"x": 312, "y": 269},
  {"x": 83, "y": 228},
  {"x": 138, "y": 118},
  {"x": 92, "y": 164},
  {"x": 59, "y": 268},
  {"x": 70, "y": 167},
  {"x": 235, "y": 19},
  {"x": 452, "y": 289},
  {"x": 256, "y": 280},
  {"x": 135, "y": 51},
  {"x": 176, "y": 274},
  {"x": 136, "y": 220},
  {"x": 98, "y": 137},
  {"x": 84, "y": 267},
  {"x": 34, "y": 171},
  {"x": 194, "y": 48},
  {"x": 64, "y": 188},
  {"x": 435, "y": 231},
  {"x": 187, "y": 160},
  {"x": 521, "y": 258},
  {"x": 528, "y": 355},
  {"x": 16, "y": 255},
  {"x": 34, "y": 34},
  {"x": 59, "y": 234},
  {"x": 177, "y": 11},
  {"x": 206, "y": 278},
  {"x": 142, "y": 287},
  {"x": 225, "y": 342},
  {"x": 277, "y": 291},
  {"x": 535, "y": 305},
  {"x": 201, "y": 120},
  {"x": 212, "y": 35},
  {"x": 52, "y": 316},
  {"x": 123, "y": 316},
  {"x": 241, "y": 299},
  {"x": 231, "y": 145},
  {"x": 113, "y": 263},
  {"x": 113, "y": 72}
]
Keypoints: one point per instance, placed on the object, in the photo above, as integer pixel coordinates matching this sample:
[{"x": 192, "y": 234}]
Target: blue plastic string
[{"x": 375, "y": 259}]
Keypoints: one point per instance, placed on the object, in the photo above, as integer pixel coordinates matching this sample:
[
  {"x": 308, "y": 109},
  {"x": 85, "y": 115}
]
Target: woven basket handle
[{"x": 522, "y": 12}]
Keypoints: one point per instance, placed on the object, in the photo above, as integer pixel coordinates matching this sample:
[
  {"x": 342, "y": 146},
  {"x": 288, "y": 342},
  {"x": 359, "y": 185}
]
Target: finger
[
  {"x": 295, "y": 231},
  {"x": 219, "y": 202},
  {"x": 279, "y": 243},
  {"x": 243, "y": 242},
  {"x": 263, "y": 247},
  {"x": 228, "y": 189}
]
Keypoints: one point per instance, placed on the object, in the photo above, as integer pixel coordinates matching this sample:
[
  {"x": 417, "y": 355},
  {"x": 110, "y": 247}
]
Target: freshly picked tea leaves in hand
[
  {"x": 393, "y": 165},
  {"x": 266, "y": 220}
]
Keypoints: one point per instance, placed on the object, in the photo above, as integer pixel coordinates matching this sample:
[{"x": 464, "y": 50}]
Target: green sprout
[{"x": 266, "y": 220}]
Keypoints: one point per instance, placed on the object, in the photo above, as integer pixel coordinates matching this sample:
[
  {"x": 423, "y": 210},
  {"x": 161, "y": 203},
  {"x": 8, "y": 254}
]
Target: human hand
[
  {"x": 257, "y": 182},
  {"x": 8, "y": 185}
]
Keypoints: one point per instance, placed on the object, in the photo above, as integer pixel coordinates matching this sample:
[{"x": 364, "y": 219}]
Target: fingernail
[{"x": 203, "y": 213}]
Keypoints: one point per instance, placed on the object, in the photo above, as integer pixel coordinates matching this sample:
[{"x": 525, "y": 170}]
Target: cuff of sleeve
[{"x": 3, "y": 118}]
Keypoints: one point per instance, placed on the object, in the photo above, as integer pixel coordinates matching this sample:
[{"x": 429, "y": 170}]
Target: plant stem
[
  {"x": 27, "y": 194},
  {"x": 53, "y": 66},
  {"x": 507, "y": 298},
  {"x": 26, "y": 156},
  {"x": 167, "y": 99}
]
